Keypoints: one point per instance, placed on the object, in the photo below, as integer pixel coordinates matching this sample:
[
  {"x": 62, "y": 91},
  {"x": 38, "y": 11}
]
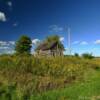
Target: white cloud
[
  {"x": 35, "y": 41},
  {"x": 97, "y": 42},
  {"x": 9, "y": 3},
  {"x": 7, "y": 47},
  {"x": 12, "y": 42},
  {"x": 6, "y": 50},
  {"x": 2, "y": 17},
  {"x": 4, "y": 47},
  {"x": 62, "y": 39},
  {"x": 55, "y": 28},
  {"x": 76, "y": 42},
  {"x": 7, "y": 43},
  {"x": 3, "y": 43},
  {"x": 83, "y": 43},
  {"x": 80, "y": 43}
]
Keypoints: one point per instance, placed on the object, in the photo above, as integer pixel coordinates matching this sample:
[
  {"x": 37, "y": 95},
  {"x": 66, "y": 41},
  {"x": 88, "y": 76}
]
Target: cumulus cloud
[
  {"x": 7, "y": 47},
  {"x": 55, "y": 28},
  {"x": 35, "y": 41},
  {"x": 97, "y": 42},
  {"x": 62, "y": 39},
  {"x": 6, "y": 50},
  {"x": 2, "y": 43},
  {"x": 6, "y": 44},
  {"x": 83, "y": 43},
  {"x": 3, "y": 47},
  {"x": 80, "y": 43},
  {"x": 12, "y": 42},
  {"x": 2, "y": 16}
]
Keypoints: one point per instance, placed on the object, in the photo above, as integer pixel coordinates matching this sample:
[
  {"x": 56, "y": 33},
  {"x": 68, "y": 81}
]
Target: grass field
[
  {"x": 85, "y": 90},
  {"x": 60, "y": 78}
]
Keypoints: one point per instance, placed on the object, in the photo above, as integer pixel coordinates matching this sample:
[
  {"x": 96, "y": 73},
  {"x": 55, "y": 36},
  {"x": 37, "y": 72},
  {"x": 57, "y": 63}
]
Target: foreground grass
[
  {"x": 89, "y": 89},
  {"x": 60, "y": 78}
]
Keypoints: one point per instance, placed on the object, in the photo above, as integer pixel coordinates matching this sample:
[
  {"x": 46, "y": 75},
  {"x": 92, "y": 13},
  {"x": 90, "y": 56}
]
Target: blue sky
[{"x": 40, "y": 18}]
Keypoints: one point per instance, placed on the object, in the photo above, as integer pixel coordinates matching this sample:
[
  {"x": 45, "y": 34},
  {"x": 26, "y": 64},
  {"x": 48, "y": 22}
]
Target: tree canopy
[{"x": 23, "y": 45}]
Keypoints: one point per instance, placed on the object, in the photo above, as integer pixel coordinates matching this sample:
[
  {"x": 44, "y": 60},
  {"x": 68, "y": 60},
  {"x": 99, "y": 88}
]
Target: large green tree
[{"x": 23, "y": 45}]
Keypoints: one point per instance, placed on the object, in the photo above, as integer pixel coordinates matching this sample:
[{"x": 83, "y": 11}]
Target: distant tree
[
  {"x": 23, "y": 45},
  {"x": 87, "y": 56},
  {"x": 76, "y": 55}
]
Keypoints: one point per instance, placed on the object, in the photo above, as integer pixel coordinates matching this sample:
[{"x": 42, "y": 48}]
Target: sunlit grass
[
  {"x": 48, "y": 78},
  {"x": 86, "y": 90}
]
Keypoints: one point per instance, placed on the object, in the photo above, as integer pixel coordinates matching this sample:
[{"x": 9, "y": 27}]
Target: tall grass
[{"x": 31, "y": 75}]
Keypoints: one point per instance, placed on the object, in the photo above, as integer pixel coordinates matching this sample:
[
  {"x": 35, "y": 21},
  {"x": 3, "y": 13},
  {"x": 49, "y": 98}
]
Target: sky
[{"x": 41, "y": 18}]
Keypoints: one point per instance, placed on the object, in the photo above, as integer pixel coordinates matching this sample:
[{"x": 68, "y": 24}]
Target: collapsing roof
[{"x": 49, "y": 46}]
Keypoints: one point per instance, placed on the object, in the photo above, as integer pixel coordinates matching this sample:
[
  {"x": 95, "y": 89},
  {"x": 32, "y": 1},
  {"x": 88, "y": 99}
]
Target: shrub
[
  {"x": 87, "y": 56},
  {"x": 76, "y": 55}
]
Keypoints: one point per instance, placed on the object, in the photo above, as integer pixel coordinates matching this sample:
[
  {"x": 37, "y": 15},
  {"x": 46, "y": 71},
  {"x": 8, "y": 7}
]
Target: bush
[
  {"x": 76, "y": 55},
  {"x": 87, "y": 56}
]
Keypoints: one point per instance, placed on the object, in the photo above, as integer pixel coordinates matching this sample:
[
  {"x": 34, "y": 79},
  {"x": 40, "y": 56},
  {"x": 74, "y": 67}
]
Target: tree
[
  {"x": 87, "y": 56},
  {"x": 54, "y": 38},
  {"x": 23, "y": 45},
  {"x": 76, "y": 55}
]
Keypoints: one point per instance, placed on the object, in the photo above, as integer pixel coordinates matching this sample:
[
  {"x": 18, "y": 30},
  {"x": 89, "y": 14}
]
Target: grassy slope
[{"x": 87, "y": 90}]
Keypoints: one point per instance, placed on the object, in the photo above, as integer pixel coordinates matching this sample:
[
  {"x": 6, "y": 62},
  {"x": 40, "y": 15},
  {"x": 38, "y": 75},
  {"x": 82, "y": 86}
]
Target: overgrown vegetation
[{"x": 23, "y": 75}]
